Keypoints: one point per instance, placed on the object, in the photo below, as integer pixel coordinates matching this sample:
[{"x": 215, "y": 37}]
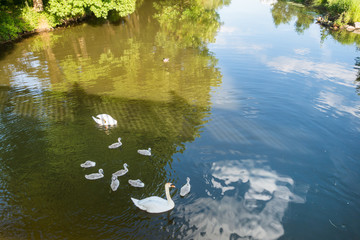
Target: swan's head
[
  {"x": 188, "y": 179},
  {"x": 149, "y": 149},
  {"x": 101, "y": 171},
  {"x": 113, "y": 177},
  {"x": 169, "y": 185},
  {"x": 125, "y": 165},
  {"x": 119, "y": 139}
]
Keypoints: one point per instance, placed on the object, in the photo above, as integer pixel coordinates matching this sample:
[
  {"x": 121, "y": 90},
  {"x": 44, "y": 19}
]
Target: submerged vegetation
[{"x": 19, "y": 16}]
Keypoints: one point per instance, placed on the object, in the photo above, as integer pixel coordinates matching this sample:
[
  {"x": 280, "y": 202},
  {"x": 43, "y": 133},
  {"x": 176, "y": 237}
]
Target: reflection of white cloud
[
  {"x": 229, "y": 173},
  {"x": 329, "y": 71},
  {"x": 329, "y": 100},
  {"x": 268, "y": 2},
  {"x": 250, "y": 47},
  {"x": 226, "y": 29},
  {"x": 256, "y": 215},
  {"x": 302, "y": 51},
  {"x": 241, "y": 47}
]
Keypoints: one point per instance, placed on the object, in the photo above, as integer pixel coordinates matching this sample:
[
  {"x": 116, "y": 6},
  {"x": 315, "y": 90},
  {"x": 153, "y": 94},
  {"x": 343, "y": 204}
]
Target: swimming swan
[
  {"x": 156, "y": 204},
  {"x": 114, "y": 183},
  {"x": 116, "y": 145},
  {"x": 144, "y": 152},
  {"x": 104, "y": 120},
  {"x": 122, "y": 171},
  {"x": 186, "y": 188},
  {"x": 94, "y": 176},
  {"x": 88, "y": 164}
]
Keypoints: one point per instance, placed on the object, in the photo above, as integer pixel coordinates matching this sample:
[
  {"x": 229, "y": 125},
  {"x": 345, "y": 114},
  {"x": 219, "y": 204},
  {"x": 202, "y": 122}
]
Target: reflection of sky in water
[
  {"x": 255, "y": 213},
  {"x": 302, "y": 51},
  {"x": 297, "y": 56},
  {"x": 268, "y": 2},
  {"x": 329, "y": 100},
  {"x": 333, "y": 72}
]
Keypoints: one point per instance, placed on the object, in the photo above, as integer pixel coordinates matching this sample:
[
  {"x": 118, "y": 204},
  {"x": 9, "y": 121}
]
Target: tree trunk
[{"x": 38, "y": 5}]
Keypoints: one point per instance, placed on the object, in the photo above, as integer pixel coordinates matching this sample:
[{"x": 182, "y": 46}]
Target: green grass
[{"x": 341, "y": 11}]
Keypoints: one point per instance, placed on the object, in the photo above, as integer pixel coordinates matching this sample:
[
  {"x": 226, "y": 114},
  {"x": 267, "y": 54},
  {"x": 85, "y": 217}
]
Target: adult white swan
[
  {"x": 156, "y": 204},
  {"x": 104, "y": 120}
]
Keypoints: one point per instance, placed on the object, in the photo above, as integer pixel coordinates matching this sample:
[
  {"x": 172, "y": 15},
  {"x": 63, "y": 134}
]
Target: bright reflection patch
[
  {"x": 329, "y": 100},
  {"x": 255, "y": 212},
  {"x": 333, "y": 72}
]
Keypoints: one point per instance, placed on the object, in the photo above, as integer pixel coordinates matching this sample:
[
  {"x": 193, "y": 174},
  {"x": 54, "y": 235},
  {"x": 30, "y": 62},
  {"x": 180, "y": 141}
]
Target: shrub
[
  {"x": 343, "y": 11},
  {"x": 12, "y": 23}
]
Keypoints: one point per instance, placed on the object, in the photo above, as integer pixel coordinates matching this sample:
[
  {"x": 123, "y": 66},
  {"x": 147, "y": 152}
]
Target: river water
[{"x": 257, "y": 104}]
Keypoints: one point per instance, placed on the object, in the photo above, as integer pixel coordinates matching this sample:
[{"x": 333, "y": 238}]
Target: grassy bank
[
  {"x": 19, "y": 16},
  {"x": 339, "y": 11}
]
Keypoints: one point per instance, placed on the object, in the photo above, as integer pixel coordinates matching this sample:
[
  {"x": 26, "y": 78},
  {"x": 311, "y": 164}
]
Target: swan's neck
[{"x": 168, "y": 197}]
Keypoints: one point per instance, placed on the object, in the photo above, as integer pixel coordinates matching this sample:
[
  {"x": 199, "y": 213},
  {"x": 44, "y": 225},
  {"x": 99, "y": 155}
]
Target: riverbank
[
  {"x": 355, "y": 28},
  {"x": 19, "y": 20},
  {"x": 336, "y": 13}
]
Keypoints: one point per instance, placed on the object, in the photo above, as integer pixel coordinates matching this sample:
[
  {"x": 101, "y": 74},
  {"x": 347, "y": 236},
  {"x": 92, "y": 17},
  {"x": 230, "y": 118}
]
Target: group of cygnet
[{"x": 153, "y": 204}]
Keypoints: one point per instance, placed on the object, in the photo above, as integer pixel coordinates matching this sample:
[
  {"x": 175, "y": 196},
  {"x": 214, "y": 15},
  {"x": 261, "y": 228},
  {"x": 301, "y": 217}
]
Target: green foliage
[
  {"x": 17, "y": 17},
  {"x": 65, "y": 9},
  {"x": 345, "y": 11},
  {"x": 342, "y": 11},
  {"x": 30, "y": 16},
  {"x": 12, "y": 23}
]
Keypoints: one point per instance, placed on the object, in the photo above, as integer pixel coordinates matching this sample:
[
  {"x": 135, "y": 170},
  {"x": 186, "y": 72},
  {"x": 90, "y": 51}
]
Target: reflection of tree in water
[
  {"x": 189, "y": 23},
  {"x": 357, "y": 81},
  {"x": 114, "y": 69},
  {"x": 130, "y": 67},
  {"x": 47, "y": 136},
  {"x": 342, "y": 36},
  {"x": 283, "y": 12}
]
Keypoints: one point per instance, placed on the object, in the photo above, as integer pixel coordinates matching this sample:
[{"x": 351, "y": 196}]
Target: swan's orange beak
[{"x": 172, "y": 186}]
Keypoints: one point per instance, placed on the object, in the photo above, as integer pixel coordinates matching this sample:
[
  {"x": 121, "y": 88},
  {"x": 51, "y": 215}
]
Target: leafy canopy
[{"x": 100, "y": 8}]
